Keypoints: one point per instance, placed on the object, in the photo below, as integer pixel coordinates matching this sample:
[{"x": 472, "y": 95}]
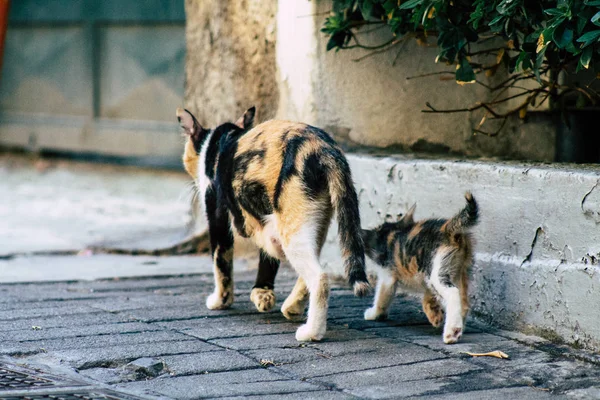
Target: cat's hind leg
[
  {"x": 263, "y": 295},
  {"x": 293, "y": 307},
  {"x": 384, "y": 294},
  {"x": 451, "y": 299},
  {"x": 301, "y": 251},
  {"x": 433, "y": 309},
  {"x": 221, "y": 242}
]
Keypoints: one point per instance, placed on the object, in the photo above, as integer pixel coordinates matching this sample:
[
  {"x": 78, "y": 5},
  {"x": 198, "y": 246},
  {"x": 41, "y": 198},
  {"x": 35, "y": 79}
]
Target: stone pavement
[{"x": 152, "y": 337}]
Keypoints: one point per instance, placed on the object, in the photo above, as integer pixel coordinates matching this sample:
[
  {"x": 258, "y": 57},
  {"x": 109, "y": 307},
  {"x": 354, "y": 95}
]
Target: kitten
[
  {"x": 433, "y": 255},
  {"x": 278, "y": 184}
]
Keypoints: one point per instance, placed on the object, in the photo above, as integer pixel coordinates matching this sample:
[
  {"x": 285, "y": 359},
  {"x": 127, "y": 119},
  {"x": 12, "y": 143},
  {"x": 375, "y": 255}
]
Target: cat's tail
[
  {"x": 345, "y": 204},
  {"x": 465, "y": 219}
]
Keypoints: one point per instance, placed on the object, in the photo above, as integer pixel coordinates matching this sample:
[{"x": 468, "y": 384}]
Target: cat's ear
[
  {"x": 191, "y": 126},
  {"x": 409, "y": 217},
  {"x": 245, "y": 122}
]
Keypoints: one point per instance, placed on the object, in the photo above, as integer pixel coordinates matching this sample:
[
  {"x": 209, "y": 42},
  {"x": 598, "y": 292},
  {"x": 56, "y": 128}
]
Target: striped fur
[{"x": 279, "y": 184}]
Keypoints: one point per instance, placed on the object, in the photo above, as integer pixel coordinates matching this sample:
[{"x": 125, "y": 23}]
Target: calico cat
[
  {"x": 432, "y": 255},
  {"x": 278, "y": 184}
]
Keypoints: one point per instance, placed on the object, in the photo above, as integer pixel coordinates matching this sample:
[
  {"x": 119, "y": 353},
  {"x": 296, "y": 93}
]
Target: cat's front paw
[
  {"x": 375, "y": 314},
  {"x": 220, "y": 300},
  {"x": 453, "y": 330},
  {"x": 263, "y": 299},
  {"x": 307, "y": 333}
]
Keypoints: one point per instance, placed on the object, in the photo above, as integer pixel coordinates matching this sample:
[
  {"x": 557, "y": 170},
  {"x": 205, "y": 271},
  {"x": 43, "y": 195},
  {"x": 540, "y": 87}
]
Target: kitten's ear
[
  {"x": 188, "y": 122},
  {"x": 245, "y": 122},
  {"x": 409, "y": 217}
]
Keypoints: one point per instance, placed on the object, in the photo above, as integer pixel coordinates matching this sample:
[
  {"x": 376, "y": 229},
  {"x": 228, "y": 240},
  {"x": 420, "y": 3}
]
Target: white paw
[
  {"x": 307, "y": 333},
  {"x": 219, "y": 301},
  {"x": 374, "y": 314},
  {"x": 263, "y": 299},
  {"x": 453, "y": 330}
]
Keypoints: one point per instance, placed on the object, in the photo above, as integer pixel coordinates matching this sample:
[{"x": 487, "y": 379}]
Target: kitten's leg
[
  {"x": 262, "y": 294},
  {"x": 440, "y": 279},
  {"x": 433, "y": 309},
  {"x": 221, "y": 242},
  {"x": 384, "y": 294},
  {"x": 464, "y": 292},
  {"x": 293, "y": 307}
]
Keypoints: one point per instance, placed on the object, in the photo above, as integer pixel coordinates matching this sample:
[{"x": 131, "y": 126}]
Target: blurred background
[{"x": 89, "y": 78}]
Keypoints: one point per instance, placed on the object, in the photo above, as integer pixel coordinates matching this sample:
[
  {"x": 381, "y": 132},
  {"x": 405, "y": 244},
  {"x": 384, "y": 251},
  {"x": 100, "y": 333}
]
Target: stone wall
[{"x": 230, "y": 63}]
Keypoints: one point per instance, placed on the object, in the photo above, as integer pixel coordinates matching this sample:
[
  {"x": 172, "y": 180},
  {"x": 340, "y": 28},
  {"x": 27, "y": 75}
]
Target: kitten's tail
[
  {"x": 466, "y": 218},
  {"x": 345, "y": 203}
]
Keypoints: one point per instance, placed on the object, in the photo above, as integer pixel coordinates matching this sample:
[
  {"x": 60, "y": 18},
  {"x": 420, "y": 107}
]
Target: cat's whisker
[{"x": 190, "y": 190}]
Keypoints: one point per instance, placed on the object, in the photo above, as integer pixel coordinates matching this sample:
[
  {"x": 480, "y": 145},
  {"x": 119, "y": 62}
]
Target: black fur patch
[
  {"x": 288, "y": 168},
  {"x": 322, "y": 135},
  {"x": 228, "y": 142},
  {"x": 242, "y": 161},
  {"x": 254, "y": 198},
  {"x": 221, "y": 237},
  {"x": 314, "y": 176},
  {"x": 214, "y": 146},
  {"x": 267, "y": 271}
]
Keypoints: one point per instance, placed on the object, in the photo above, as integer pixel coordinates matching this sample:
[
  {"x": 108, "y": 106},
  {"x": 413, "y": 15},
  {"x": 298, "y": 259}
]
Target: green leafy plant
[{"x": 539, "y": 40}]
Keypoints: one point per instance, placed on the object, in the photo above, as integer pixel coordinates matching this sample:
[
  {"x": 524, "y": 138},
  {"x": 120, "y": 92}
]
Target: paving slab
[
  {"x": 89, "y": 330},
  {"x": 88, "y": 342},
  {"x": 344, "y": 364},
  {"x": 323, "y": 394},
  {"x": 246, "y": 382}
]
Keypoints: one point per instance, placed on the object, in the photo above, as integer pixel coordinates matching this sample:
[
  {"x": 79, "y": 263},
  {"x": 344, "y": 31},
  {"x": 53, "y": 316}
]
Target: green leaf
[
  {"x": 336, "y": 40},
  {"x": 409, "y": 4},
  {"x": 581, "y": 24},
  {"x": 596, "y": 19},
  {"x": 562, "y": 37},
  {"x": 555, "y": 12},
  {"x": 464, "y": 72},
  {"x": 592, "y": 3},
  {"x": 589, "y": 38},
  {"x": 586, "y": 57},
  {"x": 366, "y": 7},
  {"x": 496, "y": 20}
]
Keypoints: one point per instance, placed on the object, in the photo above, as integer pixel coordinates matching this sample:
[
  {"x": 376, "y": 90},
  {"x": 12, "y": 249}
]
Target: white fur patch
[
  {"x": 202, "y": 181},
  {"x": 453, "y": 325},
  {"x": 268, "y": 237}
]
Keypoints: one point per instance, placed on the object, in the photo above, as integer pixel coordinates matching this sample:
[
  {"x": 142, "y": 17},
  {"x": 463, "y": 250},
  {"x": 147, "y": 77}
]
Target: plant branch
[
  {"x": 359, "y": 45},
  {"x": 387, "y": 48},
  {"x": 430, "y": 74},
  {"x": 495, "y": 133}
]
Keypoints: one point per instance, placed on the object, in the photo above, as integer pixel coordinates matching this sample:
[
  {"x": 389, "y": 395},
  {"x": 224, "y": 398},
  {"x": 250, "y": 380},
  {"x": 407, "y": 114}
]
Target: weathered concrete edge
[
  {"x": 83, "y": 268},
  {"x": 538, "y": 243}
]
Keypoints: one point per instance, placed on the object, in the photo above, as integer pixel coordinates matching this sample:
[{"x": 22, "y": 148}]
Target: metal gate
[{"x": 94, "y": 76}]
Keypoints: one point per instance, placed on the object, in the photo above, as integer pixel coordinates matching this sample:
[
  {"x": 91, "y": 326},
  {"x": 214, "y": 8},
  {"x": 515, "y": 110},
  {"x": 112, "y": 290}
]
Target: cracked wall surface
[{"x": 537, "y": 244}]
